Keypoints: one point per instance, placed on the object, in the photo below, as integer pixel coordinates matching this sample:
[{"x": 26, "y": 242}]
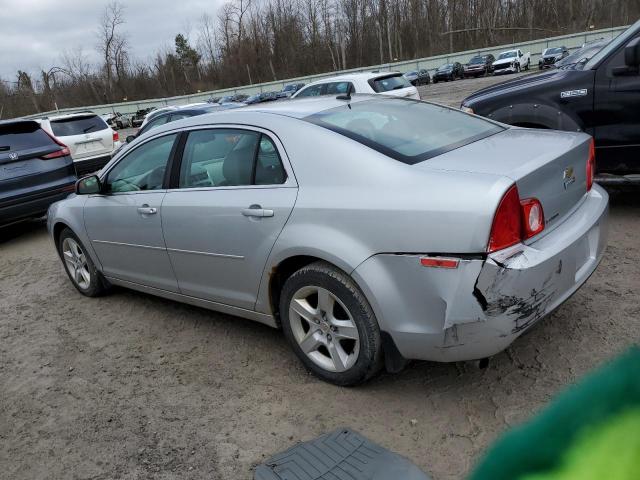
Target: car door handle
[
  {"x": 257, "y": 211},
  {"x": 147, "y": 210}
]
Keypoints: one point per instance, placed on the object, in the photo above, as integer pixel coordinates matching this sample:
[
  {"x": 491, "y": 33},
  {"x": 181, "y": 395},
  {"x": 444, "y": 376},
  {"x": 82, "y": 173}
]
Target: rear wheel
[
  {"x": 330, "y": 325},
  {"x": 78, "y": 265}
]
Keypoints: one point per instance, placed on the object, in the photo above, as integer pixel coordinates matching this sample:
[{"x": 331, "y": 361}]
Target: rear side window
[
  {"x": 23, "y": 136},
  {"x": 388, "y": 83},
  {"x": 406, "y": 130},
  {"x": 77, "y": 125},
  {"x": 228, "y": 157}
]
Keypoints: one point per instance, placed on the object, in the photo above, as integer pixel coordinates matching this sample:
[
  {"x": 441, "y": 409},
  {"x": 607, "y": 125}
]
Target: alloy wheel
[
  {"x": 76, "y": 262},
  {"x": 324, "y": 329}
]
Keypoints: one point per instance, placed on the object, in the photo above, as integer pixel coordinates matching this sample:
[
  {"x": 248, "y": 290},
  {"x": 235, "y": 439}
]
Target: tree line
[{"x": 253, "y": 41}]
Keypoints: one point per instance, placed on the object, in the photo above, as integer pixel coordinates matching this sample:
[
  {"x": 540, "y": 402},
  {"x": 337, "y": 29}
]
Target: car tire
[
  {"x": 330, "y": 325},
  {"x": 79, "y": 266}
]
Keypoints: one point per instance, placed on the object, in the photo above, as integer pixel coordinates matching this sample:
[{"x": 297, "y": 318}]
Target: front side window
[
  {"x": 312, "y": 91},
  {"x": 143, "y": 168},
  {"x": 337, "y": 88},
  {"x": 408, "y": 131},
  {"x": 229, "y": 157},
  {"x": 156, "y": 123}
]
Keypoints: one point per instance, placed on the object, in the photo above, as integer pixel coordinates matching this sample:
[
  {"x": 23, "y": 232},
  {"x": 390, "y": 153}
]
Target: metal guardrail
[{"x": 535, "y": 47}]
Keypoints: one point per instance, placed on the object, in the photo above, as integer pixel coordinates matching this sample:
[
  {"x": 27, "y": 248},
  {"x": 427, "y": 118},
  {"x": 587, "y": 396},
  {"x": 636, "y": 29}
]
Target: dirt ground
[{"x": 132, "y": 386}]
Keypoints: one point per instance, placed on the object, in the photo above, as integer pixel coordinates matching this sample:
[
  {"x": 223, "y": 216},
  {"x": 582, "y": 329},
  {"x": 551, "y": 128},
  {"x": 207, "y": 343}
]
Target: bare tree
[{"x": 111, "y": 42}]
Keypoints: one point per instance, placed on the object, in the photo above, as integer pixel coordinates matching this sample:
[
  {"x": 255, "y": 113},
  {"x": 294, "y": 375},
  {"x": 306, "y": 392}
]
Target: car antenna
[{"x": 346, "y": 96}]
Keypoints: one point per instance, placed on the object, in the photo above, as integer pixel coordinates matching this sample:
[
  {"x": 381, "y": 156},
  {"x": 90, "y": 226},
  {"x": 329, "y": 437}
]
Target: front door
[
  {"x": 617, "y": 117},
  {"x": 124, "y": 224},
  {"x": 233, "y": 199}
]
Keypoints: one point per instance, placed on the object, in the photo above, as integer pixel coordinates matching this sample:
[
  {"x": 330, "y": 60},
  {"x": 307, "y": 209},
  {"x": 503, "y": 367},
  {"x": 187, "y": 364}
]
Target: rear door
[
  {"x": 234, "y": 195},
  {"x": 616, "y": 116},
  {"x": 86, "y": 136},
  {"x": 124, "y": 224}
]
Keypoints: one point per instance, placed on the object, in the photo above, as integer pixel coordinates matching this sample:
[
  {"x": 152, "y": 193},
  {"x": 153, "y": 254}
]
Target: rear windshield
[
  {"x": 23, "y": 136},
  {"x": 406, "y": 130},
  {"x": 388, "y": 83},
  {"x": 77, "y": 125}
]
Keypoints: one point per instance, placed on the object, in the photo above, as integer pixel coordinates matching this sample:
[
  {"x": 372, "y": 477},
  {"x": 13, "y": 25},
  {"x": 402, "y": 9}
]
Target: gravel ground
[{"x": 133, "y": 386}]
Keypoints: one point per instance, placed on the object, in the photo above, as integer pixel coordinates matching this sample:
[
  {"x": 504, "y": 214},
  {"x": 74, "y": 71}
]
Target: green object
[{"x": 594, "y": 425}]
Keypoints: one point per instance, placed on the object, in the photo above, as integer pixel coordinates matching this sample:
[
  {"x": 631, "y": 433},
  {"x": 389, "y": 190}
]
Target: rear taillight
[
  {"x": 507, "y": 222},
  {"x": 60, "y": 153},
  {"x": 116, "y": 136},
  {"x": 64, "y": 151},
  {"x": 533, "y": 217},
  {"x": 591, "y": 165},
  {"x": 515, "y": 220}
]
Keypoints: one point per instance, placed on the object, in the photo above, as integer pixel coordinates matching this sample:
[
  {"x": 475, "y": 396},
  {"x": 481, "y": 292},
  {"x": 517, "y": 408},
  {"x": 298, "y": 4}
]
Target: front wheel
[
  {"x": 78, "y": 265},
  {"x": 330, "y": 325}
]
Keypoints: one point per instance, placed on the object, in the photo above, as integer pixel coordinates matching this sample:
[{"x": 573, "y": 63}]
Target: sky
[{"x": 35, "y": 33}]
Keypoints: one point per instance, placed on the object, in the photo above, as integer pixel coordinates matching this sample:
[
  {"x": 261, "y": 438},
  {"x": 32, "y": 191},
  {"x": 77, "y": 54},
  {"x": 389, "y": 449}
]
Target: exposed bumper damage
[{"x": 478, "y": 309}]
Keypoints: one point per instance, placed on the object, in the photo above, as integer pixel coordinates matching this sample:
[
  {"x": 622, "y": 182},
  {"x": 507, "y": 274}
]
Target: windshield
[
  {"x": 77, "y": 125},
  {"x": 405, "y": 130},
  {"x": 476, "y": 60},
  {"x": 448, "y": 66},
  {"x": 289, "y": 88},
  {"x": 411, "y": 74},
  {"x": 552, "y": 51},
  {"x": 507, "y": 55},
  {"x": 388, "y": 83},
  {"x": 615, "y": 43}
]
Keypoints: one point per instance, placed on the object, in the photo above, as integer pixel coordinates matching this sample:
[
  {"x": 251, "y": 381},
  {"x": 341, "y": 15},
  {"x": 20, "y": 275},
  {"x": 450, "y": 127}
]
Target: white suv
[
  {"x": 90, "y": 140},
  {"x": 385, "y": 83}
]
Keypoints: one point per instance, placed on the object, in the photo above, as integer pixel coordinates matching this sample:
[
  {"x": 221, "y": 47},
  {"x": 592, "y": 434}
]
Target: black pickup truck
[{"x": 599, "y": 96}]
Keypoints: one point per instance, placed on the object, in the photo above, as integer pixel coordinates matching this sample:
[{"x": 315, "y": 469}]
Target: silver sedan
[{"x": 372, "y": 230}]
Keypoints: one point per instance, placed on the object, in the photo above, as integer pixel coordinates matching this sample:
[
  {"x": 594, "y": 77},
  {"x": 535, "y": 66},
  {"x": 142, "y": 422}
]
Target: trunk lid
[{"x": 544, "y": 164}]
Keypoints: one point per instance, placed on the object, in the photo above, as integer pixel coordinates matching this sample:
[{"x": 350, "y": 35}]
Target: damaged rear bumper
[{"x": 478, "y": 309}]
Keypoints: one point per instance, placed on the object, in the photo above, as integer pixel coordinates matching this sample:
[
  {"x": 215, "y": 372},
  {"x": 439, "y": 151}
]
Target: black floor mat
[{"x": 339, "y": 455}]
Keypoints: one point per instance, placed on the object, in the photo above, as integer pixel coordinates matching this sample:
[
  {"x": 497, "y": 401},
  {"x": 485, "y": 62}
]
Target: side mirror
[
  {"x": 130, "y": 138},
  {"x": 631, "y": 59},
  {"x": 88, "y": 185},
  {"x": 632, "y": 53}
]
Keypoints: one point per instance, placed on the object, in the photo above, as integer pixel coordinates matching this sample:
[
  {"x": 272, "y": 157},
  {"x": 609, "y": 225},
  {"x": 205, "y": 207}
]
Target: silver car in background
[{"x": 371, "y": 229}]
